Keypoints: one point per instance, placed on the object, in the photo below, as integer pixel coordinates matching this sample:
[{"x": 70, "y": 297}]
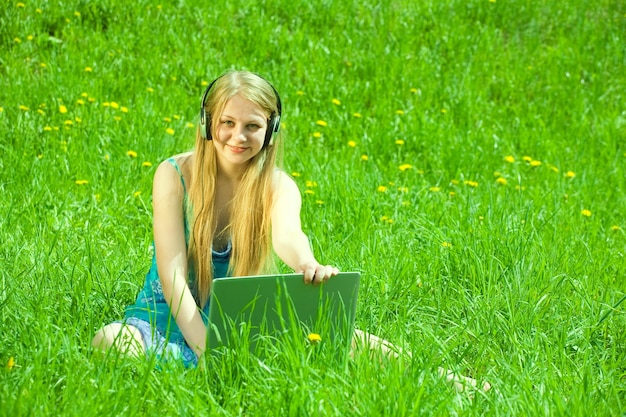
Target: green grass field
[{"x": 467, "y": 157}]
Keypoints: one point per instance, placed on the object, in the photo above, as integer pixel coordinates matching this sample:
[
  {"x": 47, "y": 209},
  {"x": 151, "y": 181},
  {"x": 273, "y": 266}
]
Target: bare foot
[{"x": 461, "y": 383}]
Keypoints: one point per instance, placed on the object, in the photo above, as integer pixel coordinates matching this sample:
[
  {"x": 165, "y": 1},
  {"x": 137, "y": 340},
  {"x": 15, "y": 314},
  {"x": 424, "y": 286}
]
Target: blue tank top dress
[{"x": 151, "y": 306}]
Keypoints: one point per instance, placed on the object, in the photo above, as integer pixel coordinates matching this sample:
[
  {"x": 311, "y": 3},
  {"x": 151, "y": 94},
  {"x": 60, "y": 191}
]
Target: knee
[{"x": 126, "y": 339}]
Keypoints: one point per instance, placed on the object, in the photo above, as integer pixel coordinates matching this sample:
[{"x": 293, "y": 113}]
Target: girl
[{"x": 219, "y": 211}]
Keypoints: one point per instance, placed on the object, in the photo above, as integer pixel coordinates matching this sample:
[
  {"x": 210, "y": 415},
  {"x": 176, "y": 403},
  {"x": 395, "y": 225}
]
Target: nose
[{"x": 240, "y": 134}]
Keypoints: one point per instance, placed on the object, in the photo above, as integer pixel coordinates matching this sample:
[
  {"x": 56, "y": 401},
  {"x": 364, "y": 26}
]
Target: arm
[
  {"x": 289, "y": 241},
  {"x": 171, "y": 255}
]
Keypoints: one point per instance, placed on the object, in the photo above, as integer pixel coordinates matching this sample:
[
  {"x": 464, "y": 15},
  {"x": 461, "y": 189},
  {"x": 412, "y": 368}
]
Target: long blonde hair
[{"x": 249, "y": 223}]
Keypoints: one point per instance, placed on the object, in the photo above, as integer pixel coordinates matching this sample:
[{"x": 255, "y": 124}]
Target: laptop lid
[{"x": 247, "y": 310}]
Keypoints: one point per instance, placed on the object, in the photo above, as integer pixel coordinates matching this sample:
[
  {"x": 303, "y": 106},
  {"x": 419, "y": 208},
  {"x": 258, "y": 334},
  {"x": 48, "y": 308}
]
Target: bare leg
[
  {"x": 364, "y": 339},
  {"x": 125, "y": 339}
]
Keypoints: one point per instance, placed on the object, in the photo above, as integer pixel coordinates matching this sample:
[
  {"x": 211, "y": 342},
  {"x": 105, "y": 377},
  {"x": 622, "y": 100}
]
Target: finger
[{"x": 309, "y": 274}]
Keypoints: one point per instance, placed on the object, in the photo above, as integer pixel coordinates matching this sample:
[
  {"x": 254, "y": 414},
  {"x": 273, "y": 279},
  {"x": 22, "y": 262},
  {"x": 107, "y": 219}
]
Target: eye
[
  {"x": 228, "y": 122},
  {"x": 253, "y": 126}
]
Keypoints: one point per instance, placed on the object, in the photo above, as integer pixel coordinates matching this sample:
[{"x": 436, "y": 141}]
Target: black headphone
[{"x": 273, "y": 123}]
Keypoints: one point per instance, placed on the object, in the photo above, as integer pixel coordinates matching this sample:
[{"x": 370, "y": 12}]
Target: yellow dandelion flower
[
  {"x": 570, "y": 174},
  {"x": 509, "y": 159},
  {"x": 204, "y": 83},
  {"x": 189, "y": 125},
  {"x": 77, "y": 14},
  {"x": 88, "y": 69},
  {"x": 357, "y": 115},
  {"x": 434, "y": 189},
  {"x": 317, "y": 135},
  {"x": 454, "y": 182},
  {"x": 68, "y": 122},
  {"x": 381, "y": 189},
  {"x": 91, "y": 99},
  {"x": 501, "y": 181},
  {"x": 106, "y": 104},
  {"x": 124, "y": 109},
  {"x": 38, "y": 10},
  {"x": 29, "y": 37},
  {"x": 553, "y": 168},
  {"x": 169, "y": 131},
  {"x": 446, "y": 244},
  {"x": 177, "y": 117},
  {"x": 47, "y": 129},
  {"x": 400, "y": 112},
  {"x": 20, "y": 5},
  {"x": 41, "y": 112},
  {"x": 81, "y": 182},
  {"x": 150, "y": 90},
  {"x": 17, "y": 40},
  {"x": 24, "y": 108},
  {"x": 295, "y": 174},
  {"x": 527, "y": 158},
  {"x": 319, "y": 202},
  {"x": 10, "y": 363},
  {"x": 404, "y": 167},
  {"x": 107, "y": 157},
  {"x": 310, "y": 192},
  {"x": 586, "y": 213},
  {"x": 310, "y": 183},
  {"x": 43, "y": 65},
  {"x": 444, "y": 111},
  {"x": 471, "y": 183},
  {"x": 115, "y": 105},
  {"x": 146, "y": 164},
  {"x": 534, "y": 163},
  {"x": 399, "y": 142},
  {"x": 336, "y": 102},
  {"x": 615, "y": 228},
  {"x": 132, "y": 154},
  {"x": 365, "y": 157},
  {"x": 84, "y": 95},
  {"x": 117, "y": 118},
  {"x": 300, "y": 93},
  {"x": 314, "y": 338},
  {"x": 78, "y": 119},
  {"x": 413, "y": 90},
  {"x": 167, "y": 119},
  {"x": 403, "y": 189},
  {"x": 452, "y": 194},
  {"x": 1, "y": 109},
  {"x": 136, "y": 193},
  {"x": 80, "y": 102},
  {"x": 352, "y": 144},
  {"x": 321, "y": 123}
]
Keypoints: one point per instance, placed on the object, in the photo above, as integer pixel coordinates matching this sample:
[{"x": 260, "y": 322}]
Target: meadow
[{"x": 467, "y": 157}]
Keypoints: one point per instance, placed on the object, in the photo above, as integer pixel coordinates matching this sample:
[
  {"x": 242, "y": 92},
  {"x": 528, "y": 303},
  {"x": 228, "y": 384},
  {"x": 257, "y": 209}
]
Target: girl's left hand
[{"x": 316, "y": 274}]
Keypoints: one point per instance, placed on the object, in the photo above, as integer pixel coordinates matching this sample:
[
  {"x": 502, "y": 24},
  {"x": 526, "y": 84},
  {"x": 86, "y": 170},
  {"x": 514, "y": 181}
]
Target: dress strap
[{"x": 180, "y": 173}]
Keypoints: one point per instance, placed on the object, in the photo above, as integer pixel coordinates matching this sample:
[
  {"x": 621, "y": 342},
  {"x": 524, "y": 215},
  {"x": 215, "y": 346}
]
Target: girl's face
[{"x": 240, "y": 131}]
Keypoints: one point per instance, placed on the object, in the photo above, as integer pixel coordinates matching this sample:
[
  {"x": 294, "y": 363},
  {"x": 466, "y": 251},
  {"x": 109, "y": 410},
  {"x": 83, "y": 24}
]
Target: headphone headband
[{"x": 273, "y": 123}]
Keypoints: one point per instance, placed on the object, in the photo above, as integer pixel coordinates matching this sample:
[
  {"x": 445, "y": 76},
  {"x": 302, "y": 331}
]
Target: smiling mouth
[{"x": 237, "y": 149}]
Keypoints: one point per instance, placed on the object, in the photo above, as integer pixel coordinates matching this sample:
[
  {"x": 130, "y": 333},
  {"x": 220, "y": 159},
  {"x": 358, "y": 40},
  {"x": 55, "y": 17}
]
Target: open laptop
[{"x": 261, "y": 310}]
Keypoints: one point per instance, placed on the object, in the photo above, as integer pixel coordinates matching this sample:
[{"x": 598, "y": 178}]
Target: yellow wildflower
[
  {"x": 336, "y": 102},
  {"x": 357, "y": 115},
  {"x": 509, "y": 159},
  {"x": 169, "y": 131},
  {"x": 88, "y": 69},
  {"x": 399, "y": 142},
  {"x": 404, "y": 167},
  {"x": 314, "y": 338},
  {"x": 501, "y": 181},
  {"x": 81, "y": 182},
  {"x": 570, "y": 174},
  {"x": 381, "y": 189},
  {"x": 189, "y": 125},
  {"x": 471, "y": 183},
  {"x": 527, "y": 159},
  {"x": 24, "y": 108},
  {"x": 115, "y": 105},
  {"x": 615, "y": 228},
  {"x": 150, "y": 90},
  {"x": 446, "y": 244},
  {"x": 300, "y": 93},
  {"x": 317, "y": 135},
  {"x": 295, "y": 174},
  {"x": 10, "y": 363},
  {"x": 132, "y": 154},
  {"x": 321, "y": 123},
  {"x": 534, "y": 163},
  {"x": 136, "y": 193},
  {"x": 352, "y": 144},
  {"x": 146, "y": 164},
  {"x": 364, "y": 157},
  {"x": 400, "y": 112},
  {"x": 586, "y": 213},
  {"x": 124, "y": 109},
  {"x": 434, "y": 189}
]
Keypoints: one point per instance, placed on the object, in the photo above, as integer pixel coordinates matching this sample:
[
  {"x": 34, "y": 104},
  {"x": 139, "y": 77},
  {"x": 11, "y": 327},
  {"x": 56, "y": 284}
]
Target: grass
[{"x": 497, "y": 249}]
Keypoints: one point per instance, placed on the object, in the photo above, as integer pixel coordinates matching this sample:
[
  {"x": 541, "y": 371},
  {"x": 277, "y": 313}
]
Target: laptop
[{"x": 260, "y": 312}]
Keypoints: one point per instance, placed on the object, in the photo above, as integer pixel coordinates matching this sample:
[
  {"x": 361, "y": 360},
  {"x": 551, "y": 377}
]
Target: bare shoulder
[
  {"x": 285, "y": 188},
  {"x": 282, "y": 182},
  {"x": 167, "y": 176}
]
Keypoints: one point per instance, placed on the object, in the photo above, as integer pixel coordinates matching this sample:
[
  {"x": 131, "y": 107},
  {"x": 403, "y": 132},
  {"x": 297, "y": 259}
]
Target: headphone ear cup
[
  {"x": 205, "y": 125},
  {"x": 273, "y": 126}
]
